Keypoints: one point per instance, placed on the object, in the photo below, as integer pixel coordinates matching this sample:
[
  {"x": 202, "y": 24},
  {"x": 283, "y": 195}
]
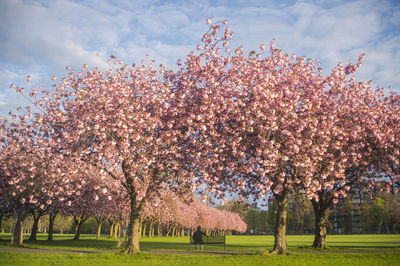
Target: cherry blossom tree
[
  {"x": 247, "y": 117},
  {"x": 121, "y": 122},
  {"x": 224, "y": 122},
  {"x": 27, "y": 173},
  {"x": 186, "y": 211},
  {"x": 274, "y": 123}
]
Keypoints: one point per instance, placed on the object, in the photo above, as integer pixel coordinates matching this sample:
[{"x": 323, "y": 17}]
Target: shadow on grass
[
  {"x": 82, "y": 244},
  {"x": 165, "y": 245},
  {"x": 364, "y": 247}
]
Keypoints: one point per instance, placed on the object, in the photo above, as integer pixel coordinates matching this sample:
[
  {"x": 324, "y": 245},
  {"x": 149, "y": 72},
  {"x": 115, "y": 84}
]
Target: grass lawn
[
  {"x": 249, "y": 243},
  {"x": 388, "y": 258},
  {"x": 245, "y": 242}
]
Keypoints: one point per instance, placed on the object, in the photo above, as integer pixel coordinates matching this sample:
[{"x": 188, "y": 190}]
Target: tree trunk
[
  {"x": 1, "y": 218},
  {"x": 387, "y": 226},
  {"x": 144, "y": 228},
  {"x": 36, "y": 217},
  {"x": 52, "y": 217},
  {"x": 112, "y": 228},
  {"x": 79, "y": 221},
  {"x": 173, "y": 233},
  {"x": 169, "y": 230},
  {"x": 321, "y": 219},
  {"x": 380, "y": 225},
  {"x": 132, "y": 247},
  {"x": 118, "y": 233},
  {"x": 18, "y": 232},
  {"x": 159, "y": 233},
  {"x": 280, "y": 246},
  {"x": 99, "y": 224},
  {"x": 151, "y": 229},
  {"x": 321, "y": 212}
]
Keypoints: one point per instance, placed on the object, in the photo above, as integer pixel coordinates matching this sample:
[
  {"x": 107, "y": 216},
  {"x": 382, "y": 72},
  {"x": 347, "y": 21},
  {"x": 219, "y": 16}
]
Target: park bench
[{"x": 211, "y": 240}]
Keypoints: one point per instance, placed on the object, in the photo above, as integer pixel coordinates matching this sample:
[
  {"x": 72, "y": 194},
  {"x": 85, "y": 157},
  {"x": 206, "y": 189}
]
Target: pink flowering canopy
[
  {"x": 273, "y": 122},
  {"x": 224, "y": 122}
]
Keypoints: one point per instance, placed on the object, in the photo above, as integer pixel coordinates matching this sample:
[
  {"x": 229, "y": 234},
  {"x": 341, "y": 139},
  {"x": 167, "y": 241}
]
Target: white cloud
[{"x": 41, "y": 37}]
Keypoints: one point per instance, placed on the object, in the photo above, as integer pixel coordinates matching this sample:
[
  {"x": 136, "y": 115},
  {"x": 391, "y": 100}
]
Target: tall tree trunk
[
  {"x": 321, "y": 220},
  {"x": 151, "y": 229},
  {"x": 99, "y": 224},
  {"x": 387, "y": 225},
  {"x": 52, "y": 217},
  {"x": 118, "y": 233},
  {"x": 112, "y": 228},
  {"x": 159, "y": 231},
  {"x": 18, "y": 232},
  {"x": 173, "y": 233},
  {"x": 169, "y": 230},
  {"x": 144, "y": 228},
  {"x": 36, "y": 217},
  {"x": 79, "y": 221},
  {"x": 1, "y": 218},
  {"x": 321, "y": 212},
  {"x": 132, "y": 247},
  {"x": 280, "y": 246}
]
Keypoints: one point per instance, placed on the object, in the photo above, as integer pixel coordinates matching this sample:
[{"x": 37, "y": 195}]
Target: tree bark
[
  {"x": 159, "y": 231},
  {"x": 173, "y": 230},
  {"x": 151, "y": 230},
  {"x": 132, "y": 246},
  {"x": 1, "y": 218},
  {"x": 144, "y": 228},
  {"x": 99, "y": 224},
  {"x": 18, "y": 232},
  {"x": 112, "y": 228},
  {"x": 321, "y": 211},
  {"x": 79, "y": 221},
  {"x": 36, "y": 216},
  {"x": 321, "y": 219},
  {"x": 280, "y": 246},
  {"x": 52, "y": 217},
  {"x": 118, "y": 233}
]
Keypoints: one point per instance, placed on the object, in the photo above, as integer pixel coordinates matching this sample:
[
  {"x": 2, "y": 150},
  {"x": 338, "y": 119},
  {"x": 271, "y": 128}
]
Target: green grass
[
  {"x": 253, "y": 243},
  {"x": 297, "y": 242},
  {"x": 389, "y": 258},
  {"x": 256, "y": 244}
]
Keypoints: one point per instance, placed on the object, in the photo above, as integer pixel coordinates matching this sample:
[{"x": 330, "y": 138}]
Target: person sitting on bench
[{"x": 198, "y": 238}]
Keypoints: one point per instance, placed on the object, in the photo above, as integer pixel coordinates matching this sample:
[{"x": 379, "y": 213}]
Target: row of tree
[
  {"x": 224, "y": 122},
  {"x": 353, "y": 214},
  {"x": 167, "y": 211}
]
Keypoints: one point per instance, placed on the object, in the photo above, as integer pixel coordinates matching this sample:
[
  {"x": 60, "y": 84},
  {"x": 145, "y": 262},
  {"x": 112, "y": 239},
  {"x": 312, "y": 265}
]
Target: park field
[{"x": 343, "y": 249}]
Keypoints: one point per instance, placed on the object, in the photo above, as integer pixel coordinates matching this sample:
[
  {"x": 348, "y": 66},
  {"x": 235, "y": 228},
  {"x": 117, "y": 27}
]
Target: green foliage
[
  {"x": 301, "y": 218},
  {"x": 382, "y": 214},
  {"x": 256, "y": 221},
  {"x": 62, "y": 223},
  {"x": 6, "y": 225},
  {"x": 271, "y": 218},
  {"x": 237, "y": 206}
]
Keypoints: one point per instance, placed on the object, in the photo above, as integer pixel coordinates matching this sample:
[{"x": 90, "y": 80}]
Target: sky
[{"x": 40, "y": 38}]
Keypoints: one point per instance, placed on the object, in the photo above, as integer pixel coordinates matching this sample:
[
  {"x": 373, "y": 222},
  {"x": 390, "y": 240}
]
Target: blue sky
[{"x": 40, "y": 38}]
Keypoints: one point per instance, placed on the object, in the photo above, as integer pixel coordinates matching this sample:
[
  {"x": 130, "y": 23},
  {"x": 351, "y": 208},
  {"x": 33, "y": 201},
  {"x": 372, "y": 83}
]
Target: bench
[{"x": 211, "y": 240}]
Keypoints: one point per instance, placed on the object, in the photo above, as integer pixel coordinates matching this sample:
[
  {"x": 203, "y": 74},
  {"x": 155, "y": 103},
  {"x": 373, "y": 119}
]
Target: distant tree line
[{"x": 379, "y": 213}]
